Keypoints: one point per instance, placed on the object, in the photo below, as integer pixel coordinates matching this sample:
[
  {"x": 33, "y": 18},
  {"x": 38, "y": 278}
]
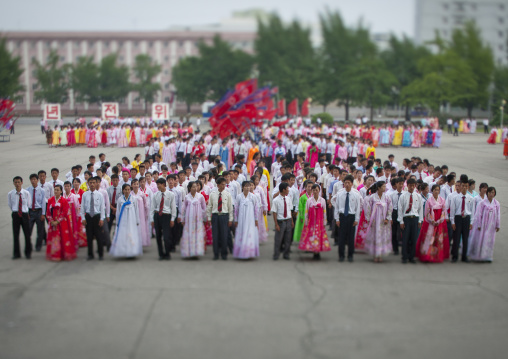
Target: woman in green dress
[{"x": 300, "y": 219}]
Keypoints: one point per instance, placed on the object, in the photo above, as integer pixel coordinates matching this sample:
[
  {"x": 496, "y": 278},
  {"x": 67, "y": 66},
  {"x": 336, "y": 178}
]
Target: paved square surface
[{"x": 293, "y": 309}]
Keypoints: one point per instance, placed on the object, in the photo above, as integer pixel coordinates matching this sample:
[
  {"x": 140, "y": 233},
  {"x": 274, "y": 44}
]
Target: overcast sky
[{"x": 395, "y": 16}]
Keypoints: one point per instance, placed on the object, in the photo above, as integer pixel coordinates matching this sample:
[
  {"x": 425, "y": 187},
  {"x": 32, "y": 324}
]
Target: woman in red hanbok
[
  {"x": 92, "y": 138},
  {"x": 78, "y": 230},
  {"x": 61, "y": 244},
  {"x": 492, "y": 138},
  {"x": 132, "y": 140},
  {"x": 312, "y": 154},
  {"x": 314, "y": 238},
  {"x": 433, "y": 244},
  {"x": 76, "y": 183},
  {"x": 208, "y": 227}
]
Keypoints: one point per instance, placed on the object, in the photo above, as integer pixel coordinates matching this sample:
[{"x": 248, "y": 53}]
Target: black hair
[
  {"x": 33, "y": 175},
  {"x": 41, "y": 171},
  {"x": 76, "y": 180},
  {"x": 125, "y": 185},
  {"x": 435, "y": 186},
  {"x": 55, "y": 169},
  {"x": 484, "y": 185},
  {"x": 349, "y": 178},
  {"x": 59, "y": 186},
  {"x": 220, "y": 180},
  {"x": 490, "y": 189},
  {"x": 245, "y": 183},
  {"x": 161, "y": 181},
  {"x": 283, "y": 186},
  {"x": 411, "y": 181}
]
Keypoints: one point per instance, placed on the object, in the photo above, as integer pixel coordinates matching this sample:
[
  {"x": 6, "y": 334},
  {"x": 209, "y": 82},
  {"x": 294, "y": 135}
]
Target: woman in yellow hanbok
[
  {"x": 82, "y": 135},
  {"x": 461, "y": 126},
  {"x": 397, "y": 137},
  {"x": 56, "y": 136},
  {"x": 499, "y": 135}
]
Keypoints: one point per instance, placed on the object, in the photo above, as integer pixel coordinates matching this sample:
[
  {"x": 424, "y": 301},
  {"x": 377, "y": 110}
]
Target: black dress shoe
[
  {"x": 350, "y": 259},
  {"x": 395, "y": 253},
  {"x": 168, "y": 257},
  {"x": 465, "y": 260},
  {"x": 37, "y": 249},
  {"x": 216, "y": 258},
  {"x": 335, "y": 244},
  {"x": 224, "y": 258},
  {"x": 286, "y": 258},
  {"x": 317, "y": 256},
  {"x": 412, "y": 261},
  {"x": 161, "y": 258},
  {"x": 28, "y": 257},
  {"x": 341, "y": 259},
  {"x": 404, "y": 261},
  {"x": 454, "y": 260},
  {"x": 275, "y": 258},
  {"x": 89, "y": 258},
  {"x": 15, "y": 257}
]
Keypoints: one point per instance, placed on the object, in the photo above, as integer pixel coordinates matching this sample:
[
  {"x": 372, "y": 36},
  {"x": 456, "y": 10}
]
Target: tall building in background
[
  {"x": 164, "y": 47},
  {"x": 443, "y": 16}
]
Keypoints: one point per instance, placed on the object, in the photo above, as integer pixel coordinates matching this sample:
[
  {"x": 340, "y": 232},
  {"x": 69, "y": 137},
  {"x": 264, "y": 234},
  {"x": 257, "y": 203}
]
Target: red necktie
[
  {"x": 113, "y": 198},
  {"x": 285, "y": 208},
  {"x": 162, "y": 204},
  {"x": 219, "y": 204},
  {"x": 33, "y": 202},
  {"x": 463, "y": 205},
  {"x": 20, "y": 205},
  {"x": 410, "y": 203},
  {"x": 54, "y": 184}
]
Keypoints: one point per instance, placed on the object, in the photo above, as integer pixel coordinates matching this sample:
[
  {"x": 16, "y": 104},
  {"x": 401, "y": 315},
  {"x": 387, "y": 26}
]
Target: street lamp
[{"x": 503, "y": 102}]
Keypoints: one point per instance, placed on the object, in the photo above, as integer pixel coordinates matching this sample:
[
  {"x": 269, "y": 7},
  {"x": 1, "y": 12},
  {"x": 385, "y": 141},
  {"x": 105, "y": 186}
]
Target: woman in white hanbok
[
  {"x": 127, "y": 241},
  {"x": 246, "y": 223},
  {"x": 192, "y": 243}
]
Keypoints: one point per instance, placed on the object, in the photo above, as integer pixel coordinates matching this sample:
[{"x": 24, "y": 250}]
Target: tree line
[{"x": 347, "y": 68}]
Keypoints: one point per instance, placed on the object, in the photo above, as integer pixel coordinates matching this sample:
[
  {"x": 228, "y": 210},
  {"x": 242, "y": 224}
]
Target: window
[
  {"x": 62, "y": 58},
  {"x": 120, "y": 58},
  {"x": 473, "y": 6},
  {"x": 120, "y": 44},
  {"x": 106, "y": 44},
  {"x": 136, "y": 44},
  {"x": 445, "y": 20},
  {"x": 166, "y": 58},
  {"x": 166, "y": 86},
  {"x": 180, "y": 43},
  {"x": 62, "y": 43},
  {"x": 77, "y": 58},
  {"x": 166, "y": 44},
  {"x": 501, "y": 6},
  {"x": 19, "y": 100},
  {"x": 122, "y": 100},
  {"x": 34, "y": 73},
  {"x": 500, "y": 33},
  {"x": 48, "y": 44},
  {"x": 166, "y": 72},
  {"x": 33, "y": 44},
  {"x": 501, "y": 20},
  {"x": 445, "y": 6},
  {"x": 150, "y": 44},
  {"x": 136, "y": 100},
  {"x": 33, "y": 58},
  {"x": 166, "y": 99},
  {"x": 77, "y": 43},
  {"x": 459, "y": 6},
  {"x": 501, "y": 47},
  {"x": 34, "y": 86}
]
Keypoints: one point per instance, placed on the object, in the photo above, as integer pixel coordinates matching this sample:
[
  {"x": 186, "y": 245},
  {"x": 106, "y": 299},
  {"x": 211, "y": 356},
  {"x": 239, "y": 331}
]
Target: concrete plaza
[{"x": 293, "y": 309}]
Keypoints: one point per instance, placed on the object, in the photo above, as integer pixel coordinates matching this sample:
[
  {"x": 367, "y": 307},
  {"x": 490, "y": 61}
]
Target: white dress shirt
[
  {"x": 40, "y": 198},
  {"x": 98, "y": 204},
  {"x": 48, "y": 189},
  {"x": 456, "y": 206},
  {"x": 213, "y": 202},
  {"x": 13, "y": 200},
  {"x": 278, "y": 207},
  {"x": 395, "y": 196},
  {"x": 416, "y": 208},
  {"x": 169, "y": 206},
  {"x": 354, "y": 204}
]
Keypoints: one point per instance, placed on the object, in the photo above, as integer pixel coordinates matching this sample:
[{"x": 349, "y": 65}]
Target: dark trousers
[
  {"x": 486, "y": 129},
  {"x": 106, "y": 237},
  {"x": 289, "y": 157},
  {"x": 268, "y": 162},
  {"x": 180, "y": 156},
  {"x": 176, "y": 234},
  {"x": 329, "y": 158},
  {"x": 220, "y": 233},
  {"x": 461, "y": 229},
  {"x": 43, "y": 130},
  {"x": 17, "y": 223},
  {"x": 35, "y": 219},
  {"x": 112, "y": 218},
  {"x": 346, "y": 235},
  {"x": 186, "y": 160},
  {"x": 456, "y": 131},
  {"x": 450, "y": 129},
  {"x": 450, "y": 231},
  {"x": 94, "y": 230},
  {"x": 351, "y": 160},
  {"x": 163, "y": 229},
  {"x": 409, "y": 237},
  {"x": 295, "y": 159},
  {"x": 329, "y": 216},
  {"x": 396, "y": 232},
  {"x": 283, "y": 239}
]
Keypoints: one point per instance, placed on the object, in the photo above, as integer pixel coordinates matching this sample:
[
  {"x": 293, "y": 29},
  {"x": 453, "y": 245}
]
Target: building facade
[
  {"x": 165, "y": 48},
  {"x": 443, "y": 16}
]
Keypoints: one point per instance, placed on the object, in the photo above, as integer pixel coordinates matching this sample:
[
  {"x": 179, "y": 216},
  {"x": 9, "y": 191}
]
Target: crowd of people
[{"x": 323, "y": 186}]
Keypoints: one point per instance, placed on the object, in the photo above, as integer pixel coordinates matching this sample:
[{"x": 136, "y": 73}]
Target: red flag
[
  {"x": 281, "y": 108},
  {"x": 305, "y": 107},
  {"x": 293, "y": 108}
]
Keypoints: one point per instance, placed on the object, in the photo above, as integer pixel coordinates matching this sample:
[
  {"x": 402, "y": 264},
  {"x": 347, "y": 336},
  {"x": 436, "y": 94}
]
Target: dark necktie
[
  {"x": 398, "y": 198},
  {"x": 463, "y": 212},
  {"x": 33, "y": 200},
  {"x": 410, "y": 203},
  {"x": 54, "y": 184},
  {"x": 285, "y": 208},
  {"x": 92, "y": 207},
  {"x": 113, "y": 198},
  {"x": 346, "y": 206},
  {"x": 20, "y": 205},
  {"x": 161, "y": 207},
  {"x": 219, "y": 203}
]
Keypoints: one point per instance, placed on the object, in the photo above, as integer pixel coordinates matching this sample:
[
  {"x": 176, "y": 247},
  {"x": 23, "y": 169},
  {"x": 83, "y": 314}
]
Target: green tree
[
  {"x": 343, "y": 49},
  {"x": 10, "y": 72},
  {"x": 188, "y": 82},
  {"x": 370, "y": 83},
  {"x": 401, "y": 59},
  {"x": 53, "y": 80},
  {"x": 285, "y": 57},
  {"x": 85, "y": 80},
  {"x": 446, "y": 78},
  {"x": 221, "y": 67},
  {"x": 113, "y": 80},
  {"x": 500, "y": 90},
  {"x": 469, "y": 46},
  {"x": 145, "y": 70}
]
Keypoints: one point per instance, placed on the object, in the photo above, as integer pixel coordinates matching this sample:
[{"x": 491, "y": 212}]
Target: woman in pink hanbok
[
  {"x": 122, "y": 138},
  {"x": 92, "y": 138},
  {"x": 312, "y": 154},
  {"x": 263, "y": 208},
  {"x": 166, "y": 152},
  {"x": 487, "y": 222},
  {"x": 314, "y": 238},
  {"x": 143, "y": 208},
  {"x": 78, "y": 231},
  {"x": 417, "y": 141},
  {"x": 378, "y": 215},
  {"x": 193, "y": 218},
  {"x": 423, "y": 135}
]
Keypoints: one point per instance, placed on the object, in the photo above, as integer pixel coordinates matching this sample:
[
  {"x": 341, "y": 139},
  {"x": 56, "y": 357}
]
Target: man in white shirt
[
  {"x": 391, "y": 158},
  {"x": 93, "y": 214},
  {"x": 284, "y": 224},
  {"x": 37, "y": 211},
  {"x": 461, "y": 211},
  {"x": 203, "y": 163},
  {"x": 410, "y": 208},
  {"x": 20, "y": 217},
  {"x": 347, "y": 216},
  {"x": 163, "y": 214},
  {"x": 220, "y": 212}
]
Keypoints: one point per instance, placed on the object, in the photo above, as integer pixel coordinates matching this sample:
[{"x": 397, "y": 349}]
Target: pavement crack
[{"x": 134, "y": 352}]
